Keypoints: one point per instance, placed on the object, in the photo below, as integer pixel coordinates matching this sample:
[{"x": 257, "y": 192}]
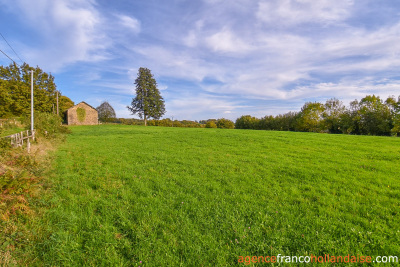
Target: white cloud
[
  {"x": 115, "y": 87},
  {"x": 226, "y": 41},
  {"x": 175, "y": 63},
  {"x": 69, "y": 31},
  {"x": 162, "y": 87},
  {"x": 129, "y": 22},
  {"x": 291, "y": 12},
  {"x": 267, "y": 50},
  {"x": 201, "y": 106},
  {"x": 191, "y": 39},
  {"x": 365, "y": 42}
]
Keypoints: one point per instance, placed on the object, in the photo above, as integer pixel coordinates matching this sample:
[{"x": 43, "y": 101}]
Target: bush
[
  {"x": 211, "y": 124},
  {"x": 225, "y": 124},
  {"x": 48, "y": 125},
  {"x": 4, "y": 144}
]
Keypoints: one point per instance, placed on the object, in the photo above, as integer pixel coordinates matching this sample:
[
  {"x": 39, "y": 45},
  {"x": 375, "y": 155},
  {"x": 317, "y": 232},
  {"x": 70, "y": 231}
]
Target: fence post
[
  {"x": 28, "y": 146},
  {"x": 17, "y": 139}
]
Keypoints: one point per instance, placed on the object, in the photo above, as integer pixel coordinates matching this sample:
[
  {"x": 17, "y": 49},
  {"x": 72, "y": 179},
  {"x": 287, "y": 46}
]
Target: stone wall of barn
[{"x": 82, "y": 114}]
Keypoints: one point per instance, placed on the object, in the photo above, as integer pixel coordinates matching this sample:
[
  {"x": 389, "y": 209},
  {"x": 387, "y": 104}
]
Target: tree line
[
  {"x": 167, "y": 122},
  {"x": 15, "y": 92},
  {"x": 369, "y": 116},
  {"x": 210, "y": 123}
]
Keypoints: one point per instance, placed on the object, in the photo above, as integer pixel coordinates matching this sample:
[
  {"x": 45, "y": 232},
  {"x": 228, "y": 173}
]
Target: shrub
[
  {"x": 4, "y": 144},
  {"x": 225, "y": 124},
  {"x": 48, "y": 125},
  {"x": 211, "y": 124},
  {"x": 177, "y": 124}
]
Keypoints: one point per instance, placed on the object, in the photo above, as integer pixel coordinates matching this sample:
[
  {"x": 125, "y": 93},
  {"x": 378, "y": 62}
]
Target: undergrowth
[{"x": 21, "y": 186}]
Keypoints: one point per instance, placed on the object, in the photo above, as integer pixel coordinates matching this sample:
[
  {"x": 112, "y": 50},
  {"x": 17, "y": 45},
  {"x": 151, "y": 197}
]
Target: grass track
[{"x": 192, "y": 197}]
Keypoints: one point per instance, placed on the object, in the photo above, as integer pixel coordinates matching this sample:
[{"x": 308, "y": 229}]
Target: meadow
[{"x": 154, "y": 196}]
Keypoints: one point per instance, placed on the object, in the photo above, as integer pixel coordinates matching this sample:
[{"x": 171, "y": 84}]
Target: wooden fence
[{"x": 17, "y": 140}]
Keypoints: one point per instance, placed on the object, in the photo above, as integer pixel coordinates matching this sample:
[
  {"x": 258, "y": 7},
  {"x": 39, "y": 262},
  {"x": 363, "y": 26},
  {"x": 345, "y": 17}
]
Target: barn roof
[{"x": 83, "y": 103}]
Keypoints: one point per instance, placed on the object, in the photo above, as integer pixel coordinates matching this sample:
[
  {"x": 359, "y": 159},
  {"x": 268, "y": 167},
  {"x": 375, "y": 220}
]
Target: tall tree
[
  {"x": 106, "y": 112},
  {"x": 15, "y": 87},
  {"x": 310, "y": 118},
  {"x": 5, "y": 100},
  {"x": 334, "y": 110},
  {"x": 65, "y": 103},
  {"x": 395, "y": 107},
  {"x": 148, "y": 102},
  {"x": 375, "y": 116}
]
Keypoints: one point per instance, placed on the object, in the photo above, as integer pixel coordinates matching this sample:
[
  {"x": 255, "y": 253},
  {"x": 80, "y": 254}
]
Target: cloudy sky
[{"x": 211, "y": 58}]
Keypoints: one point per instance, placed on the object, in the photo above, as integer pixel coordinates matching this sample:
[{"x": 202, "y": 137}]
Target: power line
[
  {"x": 8, "y": 57},
  {"x": 11, "y": 48}
]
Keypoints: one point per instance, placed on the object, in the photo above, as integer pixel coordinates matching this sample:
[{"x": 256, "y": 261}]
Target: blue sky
[{"x": 211, "y": 58}]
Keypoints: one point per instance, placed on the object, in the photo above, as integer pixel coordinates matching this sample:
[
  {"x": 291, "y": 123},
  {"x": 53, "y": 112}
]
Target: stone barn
[{"x": 82, "y": 114}]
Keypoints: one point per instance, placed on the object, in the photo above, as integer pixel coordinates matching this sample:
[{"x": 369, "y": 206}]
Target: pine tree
[{"x": 148, "y": 102}]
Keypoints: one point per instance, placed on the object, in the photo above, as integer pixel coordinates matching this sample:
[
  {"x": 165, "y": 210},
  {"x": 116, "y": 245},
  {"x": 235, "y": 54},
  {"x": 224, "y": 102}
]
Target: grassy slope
[
  {"x": 11, "y": 131},
  {"x": 170, "y": 196}
]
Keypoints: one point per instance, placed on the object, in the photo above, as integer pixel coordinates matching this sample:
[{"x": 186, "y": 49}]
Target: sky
[{"x": 210, "y": 58}]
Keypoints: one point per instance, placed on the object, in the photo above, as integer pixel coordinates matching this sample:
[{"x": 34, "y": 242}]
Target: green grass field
[{"x": 153, "y": 196}]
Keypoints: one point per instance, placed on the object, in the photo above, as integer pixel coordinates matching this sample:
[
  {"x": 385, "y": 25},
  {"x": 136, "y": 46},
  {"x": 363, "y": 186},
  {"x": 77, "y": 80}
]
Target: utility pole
[
  {"x": 57, "y": 103},
  {"x": 32, "y": 101}
]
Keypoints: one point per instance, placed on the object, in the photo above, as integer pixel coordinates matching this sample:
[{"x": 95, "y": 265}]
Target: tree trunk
[{"x": 145, "y": 120}]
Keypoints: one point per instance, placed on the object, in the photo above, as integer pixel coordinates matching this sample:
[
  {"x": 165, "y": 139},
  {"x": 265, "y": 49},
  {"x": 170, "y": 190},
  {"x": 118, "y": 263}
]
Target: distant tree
[
  {"x": 211, "y": 124},
  {"x": 148, "y": 102},
  {"x": 285, "y": 122},
  {"x": 106, "y": 112},
  {"x": 334, "y": 110},
  {"x": 225, "y": 124},
  {"x": 247, "y": 122},
  {"x": 393, "y": 107},
  {"x": 176, "y": 123},
  {"x": 310, "y": 117},
  {"x": 65, "y": 103},
  {"x": 5, "y": 100},
  {"x": 267, "y": 123},
  {"x": 374, "y": 116},
  {"x": 350, "y": 119}
]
